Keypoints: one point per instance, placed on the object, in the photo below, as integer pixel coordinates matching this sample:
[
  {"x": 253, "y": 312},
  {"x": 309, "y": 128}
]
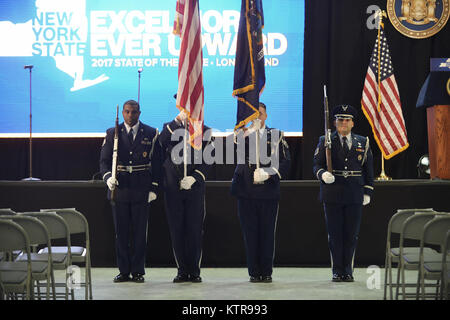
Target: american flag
[
  {"x": 190, "y": 96},
  {"x": 381, "y": 102}
]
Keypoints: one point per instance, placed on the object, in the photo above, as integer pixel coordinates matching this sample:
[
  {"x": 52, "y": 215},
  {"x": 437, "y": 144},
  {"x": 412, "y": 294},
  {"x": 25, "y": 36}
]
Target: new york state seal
[{"x": 418, "y": 19}]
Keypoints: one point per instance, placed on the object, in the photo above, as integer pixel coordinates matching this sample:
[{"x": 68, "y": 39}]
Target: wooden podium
[
  {"x": 435, "y": 96},
  {"x": 438, "y": 122}
]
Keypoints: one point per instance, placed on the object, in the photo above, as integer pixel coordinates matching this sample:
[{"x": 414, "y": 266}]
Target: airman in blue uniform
[
  {"x": 345, "y": 190},
  {"x": 136, "y": 185},
  {"x": 184, "y": 197},
  {"x": 258, "y": 193}
]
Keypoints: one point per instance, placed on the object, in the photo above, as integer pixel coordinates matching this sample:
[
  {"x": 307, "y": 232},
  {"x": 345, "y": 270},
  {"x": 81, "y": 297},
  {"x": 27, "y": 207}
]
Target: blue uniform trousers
[
  {"x": 343, "y": 222},
  {"x": 258, "y": 218},
  {"x": 185, "y": 214},
  {"x": 130, "y": 222}
]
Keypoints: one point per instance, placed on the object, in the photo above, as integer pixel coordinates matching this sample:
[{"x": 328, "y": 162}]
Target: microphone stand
[
  {"x": 30, "y": 178},
  {"x": 139, "y": 83}
]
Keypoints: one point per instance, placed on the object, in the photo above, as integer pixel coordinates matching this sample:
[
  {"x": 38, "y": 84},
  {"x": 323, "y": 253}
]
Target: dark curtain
[
  {"x": 338, "y": 45},
  {"x": 337, "y": 48}
]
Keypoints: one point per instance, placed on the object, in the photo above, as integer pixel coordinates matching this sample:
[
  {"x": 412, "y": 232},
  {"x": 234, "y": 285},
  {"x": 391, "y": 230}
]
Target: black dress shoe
[
  {"x": 121, "y": 278},
  {"x": 255, "y": 279},
  {"x": 180, "y": 278},
  {"x": 138, "y": 277},
  {"x": 266, "y": 279},
  {"x": 348, "y": 278},
  {"x": 336, "y": 278},
  {"x": 195, "y": 279}
]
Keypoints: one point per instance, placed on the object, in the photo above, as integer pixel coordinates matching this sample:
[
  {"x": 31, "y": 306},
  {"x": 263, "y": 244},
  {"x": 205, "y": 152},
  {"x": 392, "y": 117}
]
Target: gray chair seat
[
  {"x": 435, "y": 266},
  {"x": 76, "y": 251},
  {"x": 36, "y": 267},
  {"x": 429, "y": 257},
  {"x": 14, "y": 277},
  {"x": 411, "y": 250},
  {"x": 58, "y": 258}
]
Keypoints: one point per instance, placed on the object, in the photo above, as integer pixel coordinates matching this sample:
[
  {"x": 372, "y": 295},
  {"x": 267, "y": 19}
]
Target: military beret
[{"x": 344, "y": 111}]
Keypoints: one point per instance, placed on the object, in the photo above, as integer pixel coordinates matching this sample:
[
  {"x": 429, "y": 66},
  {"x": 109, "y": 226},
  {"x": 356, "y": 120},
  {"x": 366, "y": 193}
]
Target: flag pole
[
  {"x": 381, "y": 13},
  {"x": 185, "y": 146}
]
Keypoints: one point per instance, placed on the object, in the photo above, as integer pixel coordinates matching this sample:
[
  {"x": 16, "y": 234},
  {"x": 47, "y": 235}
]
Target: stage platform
[{"x": 301, "y": 238}]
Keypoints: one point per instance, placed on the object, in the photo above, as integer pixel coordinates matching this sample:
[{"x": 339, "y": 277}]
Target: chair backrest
[
  {"x": 436, "y": 230},
  {"x": 76, "y": 221},
  {"x": 414, "y": 225},
  {"x": 13, "y": 237},
  {"x": 57, "y": 226},
  {"x": 397, "y": 220},
  {"x": 7, "y": 211},
  {"x": 36, "y": 229}
]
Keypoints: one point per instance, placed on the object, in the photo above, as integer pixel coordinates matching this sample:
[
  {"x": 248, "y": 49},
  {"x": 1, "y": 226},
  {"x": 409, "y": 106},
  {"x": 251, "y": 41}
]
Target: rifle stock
[
  {"x": 115, "y": 154},
  {"x": 327, "y": 131}
]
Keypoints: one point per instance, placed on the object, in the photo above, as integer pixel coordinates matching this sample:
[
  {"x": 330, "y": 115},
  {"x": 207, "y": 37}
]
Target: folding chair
[
  {"x": 446, "y": 268},
  {"x": 58, "y": 229},
  {"x": 77, "y": 223},
  {"x": 392, "y": 253},
  {"x": 40, "y": 270},
  {"x": 434, "y": 233},
  {"x": 14, "y": 237},
  {"x": 413, "y": 229}
]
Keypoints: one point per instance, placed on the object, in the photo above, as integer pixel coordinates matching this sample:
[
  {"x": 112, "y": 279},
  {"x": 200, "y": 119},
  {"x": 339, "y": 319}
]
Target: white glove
[
  {"x": 112, "y": 183},
  {"x": 187, "y": 182},
  {"x": 181, "y": 117},
  {"x": 328, "y": 177},
  {"x": 259, "y": 176},
  {"x": 256, "y": 125},
  {"x": 151, "y": 196},
  {"x": 366, "y": 200}
]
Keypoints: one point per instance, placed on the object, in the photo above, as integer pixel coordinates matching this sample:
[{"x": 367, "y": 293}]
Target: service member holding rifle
[
  {"x": 130, "y": 162},
  {"x": 343, "y": 163}
]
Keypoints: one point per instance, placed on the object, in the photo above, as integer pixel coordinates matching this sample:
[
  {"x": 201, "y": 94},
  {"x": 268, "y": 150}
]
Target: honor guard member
[
  {"x": 138, "y": 174},
  {"x": 258, "y": 192},
  {"x": 184, "y": 197},
  {"x": 345, "y": 190}
]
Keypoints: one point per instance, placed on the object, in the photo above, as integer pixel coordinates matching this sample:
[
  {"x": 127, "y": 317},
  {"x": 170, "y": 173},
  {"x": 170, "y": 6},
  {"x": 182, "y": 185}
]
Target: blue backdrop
[{"x": 86, "y": 55}]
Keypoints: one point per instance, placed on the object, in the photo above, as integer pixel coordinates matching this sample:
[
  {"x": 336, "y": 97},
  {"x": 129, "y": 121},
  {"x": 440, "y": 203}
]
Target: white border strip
[{"x": 103, "y": 134}]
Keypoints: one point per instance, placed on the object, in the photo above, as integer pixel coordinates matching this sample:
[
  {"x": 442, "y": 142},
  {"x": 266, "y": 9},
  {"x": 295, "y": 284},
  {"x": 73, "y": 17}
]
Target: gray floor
[{"x": 233, "y": 284}]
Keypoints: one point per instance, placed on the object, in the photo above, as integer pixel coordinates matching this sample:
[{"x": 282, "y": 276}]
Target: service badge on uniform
[
  {"x": 144, "y": 154},
  {"x": 418, "y": 19},
  {"x": 359, "y": 157}
]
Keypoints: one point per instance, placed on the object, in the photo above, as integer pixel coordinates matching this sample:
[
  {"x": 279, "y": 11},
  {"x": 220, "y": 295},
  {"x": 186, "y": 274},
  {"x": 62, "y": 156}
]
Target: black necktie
[
  {"x": 345, "y": 145},
  {"x": 130, "y": 136}
]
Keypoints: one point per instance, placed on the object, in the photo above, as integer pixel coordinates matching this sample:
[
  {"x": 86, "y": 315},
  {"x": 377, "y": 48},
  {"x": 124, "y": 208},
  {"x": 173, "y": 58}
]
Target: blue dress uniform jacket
[
  {"x": 242, "y": 184},
  {"x": 342, "y": 199},
  {"x": 134, "y": 184},
  {"x": 138, "y": 173},
  {"x": 185, "y": 209},
  {"x": 258, "y": 204}
]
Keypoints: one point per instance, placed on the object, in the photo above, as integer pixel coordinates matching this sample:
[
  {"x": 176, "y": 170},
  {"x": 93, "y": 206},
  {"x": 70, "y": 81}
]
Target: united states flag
[
  {"x": 381, "y": 102},
  {"x": 190, "y": 96}
]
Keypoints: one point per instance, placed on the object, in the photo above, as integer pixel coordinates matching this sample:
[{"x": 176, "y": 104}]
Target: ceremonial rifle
[
  {"x": 115, "y": 154},
  {"x": 327, "y": 131}
]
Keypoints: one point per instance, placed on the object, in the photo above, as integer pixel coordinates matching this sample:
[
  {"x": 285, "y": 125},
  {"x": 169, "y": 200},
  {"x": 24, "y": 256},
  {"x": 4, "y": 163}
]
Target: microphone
[
  {"x": 28, "y": 66},
  {"x": 140, "y": 70}
]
